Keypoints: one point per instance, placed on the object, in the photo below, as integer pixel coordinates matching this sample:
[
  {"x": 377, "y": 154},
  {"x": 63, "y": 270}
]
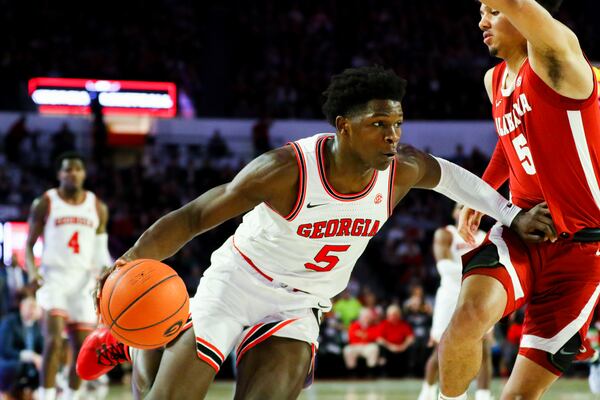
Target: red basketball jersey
[{"x": 552, "y": 146}]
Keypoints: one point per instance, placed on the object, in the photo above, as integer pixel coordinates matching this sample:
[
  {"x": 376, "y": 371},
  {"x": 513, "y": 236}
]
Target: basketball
[{"x": 144, "y": 303}]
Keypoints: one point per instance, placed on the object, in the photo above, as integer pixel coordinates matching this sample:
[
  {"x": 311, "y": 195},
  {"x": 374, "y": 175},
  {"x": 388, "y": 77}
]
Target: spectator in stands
[
  {"x": 362, "y": 341},
  {"x": 395, "y": 336},
  {"x": 62, "y": 141},
  {"x": 13, "y": 139},
  {"x": 347, "y": 308},
  {"x": 331, "y": 342},
  {"x": 369, "y": 302},
  {"x": 418, "y": 313},
  {"x": 261, "y": 136},
  {"x": 217, "y": 147},
  {"x": 21, "y": 345}
]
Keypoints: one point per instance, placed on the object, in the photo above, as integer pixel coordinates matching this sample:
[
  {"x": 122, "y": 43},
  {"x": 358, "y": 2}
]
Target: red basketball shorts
[{"x": 559, "y": 282}]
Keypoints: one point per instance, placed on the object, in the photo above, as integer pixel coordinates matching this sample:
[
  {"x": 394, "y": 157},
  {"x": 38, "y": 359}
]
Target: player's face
[
  {"x": 499, "y": 35},
  {"x": 71, "y": 174},
  {"x": 375, "y": 132}
]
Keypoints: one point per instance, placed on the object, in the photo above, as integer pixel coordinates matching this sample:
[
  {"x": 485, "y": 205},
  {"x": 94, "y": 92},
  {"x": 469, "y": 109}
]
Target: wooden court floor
[{"x": 405, "y": 389}]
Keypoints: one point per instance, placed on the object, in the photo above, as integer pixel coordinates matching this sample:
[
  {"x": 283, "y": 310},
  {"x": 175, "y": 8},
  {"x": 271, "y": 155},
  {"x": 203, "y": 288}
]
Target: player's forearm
[
  {"x": 164, "y": 238},
  {"x": 466, "y": 188},
  {"x": 30, "y": 260}
]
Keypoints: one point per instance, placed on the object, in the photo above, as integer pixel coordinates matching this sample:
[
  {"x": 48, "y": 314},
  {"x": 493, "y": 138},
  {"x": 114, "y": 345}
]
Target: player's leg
[
  {"x": 182, "y": 374},
  {"x": 145, "y": 364},
  {"x": 429, "y": 389},
  {"x": 484, "y": 378},
  {"x": 497, "y": 279},
  {"x": 274, "y": 369},
  {"x": 53, "y": 325},
  {"x": 76, "y": 338},
  {"x": 528, "y": 380},
  {"x": 481, "y": 304}
]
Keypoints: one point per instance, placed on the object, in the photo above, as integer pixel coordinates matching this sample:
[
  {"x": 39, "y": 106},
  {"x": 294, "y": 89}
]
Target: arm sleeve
[
  {"x": 102, "y": 257},
  {"x": 464, "y": 187},
  {"x": 497, "y": 170}
]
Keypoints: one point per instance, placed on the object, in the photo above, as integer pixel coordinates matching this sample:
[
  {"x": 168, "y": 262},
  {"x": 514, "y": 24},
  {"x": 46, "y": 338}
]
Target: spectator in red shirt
[
  {"x": 362, "y": 337},
  {"x": 395, "y": 336}
]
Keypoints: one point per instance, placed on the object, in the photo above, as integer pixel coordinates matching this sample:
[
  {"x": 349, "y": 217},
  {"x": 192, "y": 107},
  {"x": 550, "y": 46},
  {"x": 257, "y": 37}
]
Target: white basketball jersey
[
  {"x": 451, "y": 276},
  {"x": 315, "y": 247},
  {"x": 69, "y": 233}
]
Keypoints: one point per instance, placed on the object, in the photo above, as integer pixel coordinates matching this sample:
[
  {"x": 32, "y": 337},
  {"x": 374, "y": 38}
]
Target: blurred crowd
[{"x": 240, "y": 59}]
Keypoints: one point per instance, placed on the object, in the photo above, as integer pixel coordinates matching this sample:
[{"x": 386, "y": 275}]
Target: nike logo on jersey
[
  {"x": 498, "y": 103},
  {"x": 321, "y": 305},
  {"x": 310, "y": 205},
  {"x": 598, "y": 252}
]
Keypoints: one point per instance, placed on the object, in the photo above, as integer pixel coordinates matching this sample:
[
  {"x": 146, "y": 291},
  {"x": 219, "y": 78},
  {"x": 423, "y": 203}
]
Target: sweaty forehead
[{"x": 382, "y": 107}]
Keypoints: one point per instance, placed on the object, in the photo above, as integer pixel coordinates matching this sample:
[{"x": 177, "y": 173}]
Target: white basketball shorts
[
  {"x": 237, "y": 308},
  {"x": 70, "y": 296}
]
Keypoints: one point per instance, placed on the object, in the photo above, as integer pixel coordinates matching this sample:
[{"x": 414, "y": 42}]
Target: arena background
[{"x": 243, "y": 77}]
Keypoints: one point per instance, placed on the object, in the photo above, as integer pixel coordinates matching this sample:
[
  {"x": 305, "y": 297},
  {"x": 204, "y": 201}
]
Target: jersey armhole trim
[
  {"x": 301, "y": 195},
  {"x": 391, "y": 188},
  {"x": 47, "y": 213}
]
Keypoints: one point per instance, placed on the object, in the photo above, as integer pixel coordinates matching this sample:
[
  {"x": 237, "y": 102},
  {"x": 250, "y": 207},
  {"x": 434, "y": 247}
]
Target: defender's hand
[
  {"x": 535, "y": 225},
  {"x": 468, "y": 224}
]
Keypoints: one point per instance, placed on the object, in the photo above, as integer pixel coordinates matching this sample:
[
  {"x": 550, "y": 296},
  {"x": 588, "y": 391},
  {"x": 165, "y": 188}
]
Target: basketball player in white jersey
[
  {"x": 448, "y": 248},
  {"x": 73, "y": 224},
  {"x": 312, "y": 206}
]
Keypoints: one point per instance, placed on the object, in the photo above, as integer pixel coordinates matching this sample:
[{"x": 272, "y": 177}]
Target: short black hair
[
  {"x": 355, "y": 87},
  {"x": 68, "y": 155},
  {"x": 551, "y": 5}
]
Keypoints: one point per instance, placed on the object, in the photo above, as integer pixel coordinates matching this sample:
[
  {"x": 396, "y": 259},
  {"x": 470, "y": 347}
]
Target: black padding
[
  {"x": 487, "y": 257},
  {"x": 565, "y": 355}
]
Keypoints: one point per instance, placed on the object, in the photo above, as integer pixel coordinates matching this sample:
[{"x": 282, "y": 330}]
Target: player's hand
[
  {"x": 535, "y": 225},
  {"x": 35, "y": 280},
  {"x": 102, "y": 278},
  {"x": 468, "y": 224}
]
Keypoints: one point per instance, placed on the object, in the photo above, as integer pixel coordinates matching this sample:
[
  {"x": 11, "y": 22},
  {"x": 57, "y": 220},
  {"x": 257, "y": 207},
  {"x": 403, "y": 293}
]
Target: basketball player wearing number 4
[
  {"x": 268, "y": 284},
  {"x": 73, "y": 224},
  {"x": 545, "y": 106}
]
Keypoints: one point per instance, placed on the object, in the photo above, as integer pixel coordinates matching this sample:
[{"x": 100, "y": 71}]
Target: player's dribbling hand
[
  {"x": 535, "y": 225},
  {"x": 468, "y": 224},
  {"x": 102, "y": 278}
]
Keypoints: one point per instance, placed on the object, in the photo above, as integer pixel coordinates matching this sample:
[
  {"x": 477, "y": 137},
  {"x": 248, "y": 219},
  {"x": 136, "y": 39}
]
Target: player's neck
[
  {"x": 344, "y": 170},
  {"x": 515, "y": 61},
  {"x": 72, "y": 196}
]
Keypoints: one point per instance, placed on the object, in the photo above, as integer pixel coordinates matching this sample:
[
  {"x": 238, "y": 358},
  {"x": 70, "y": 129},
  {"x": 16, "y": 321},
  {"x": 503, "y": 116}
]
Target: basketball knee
[{"x": 471, "y": 319}]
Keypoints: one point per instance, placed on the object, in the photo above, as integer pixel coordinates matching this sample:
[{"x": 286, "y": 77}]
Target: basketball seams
[
  {"x": 114, "y": 286},
  {"x": 126, "y": 293},
  {"x": 185, "y": 300},
  {"x": 114, "y": 320}
]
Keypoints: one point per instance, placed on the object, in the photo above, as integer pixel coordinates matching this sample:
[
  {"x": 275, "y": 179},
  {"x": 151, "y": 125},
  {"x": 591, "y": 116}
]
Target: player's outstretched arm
[
  {"x": 36, "y": 221},
  {"x": 266, "y": 178},
  {"x": 455, "y": 182},
  {"x": 553, "y": 49}
]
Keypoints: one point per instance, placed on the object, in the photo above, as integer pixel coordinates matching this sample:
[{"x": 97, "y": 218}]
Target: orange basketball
[{"x": 144, "y": 303}]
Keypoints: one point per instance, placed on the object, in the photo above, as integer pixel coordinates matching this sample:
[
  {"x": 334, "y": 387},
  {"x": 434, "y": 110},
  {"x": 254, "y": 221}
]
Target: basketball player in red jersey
[
  {"x": 73, "y": 224},
  {"x": 545, "y": 108},
  {"x": 312, "y": 207}
]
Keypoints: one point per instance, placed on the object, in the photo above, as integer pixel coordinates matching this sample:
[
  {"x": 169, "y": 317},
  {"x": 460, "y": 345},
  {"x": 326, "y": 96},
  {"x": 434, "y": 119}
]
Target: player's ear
[{"x": 342, "y": 124}]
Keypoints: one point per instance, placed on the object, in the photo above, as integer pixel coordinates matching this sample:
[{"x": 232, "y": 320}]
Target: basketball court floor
[{"x": 405, "y": 389}]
